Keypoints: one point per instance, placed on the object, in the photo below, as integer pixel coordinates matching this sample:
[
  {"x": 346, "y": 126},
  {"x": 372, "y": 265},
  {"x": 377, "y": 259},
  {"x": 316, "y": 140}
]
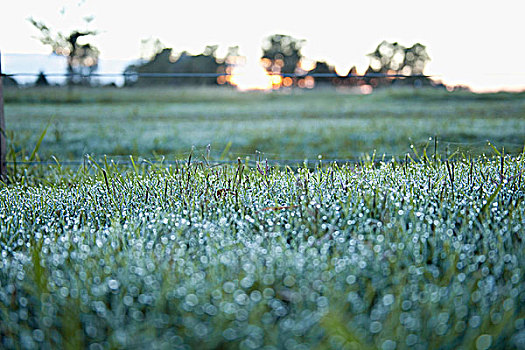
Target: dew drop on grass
[
  {"x": 246, "y": 282},
  {"x": 289, "y": 281},
  {"x": 268, "y": 293},
  {"x": 376, "y": 327},
  {"x": 127, "y": 300},
  {"x": 228, "y": 287},
  {"x": 255, "y": 296},
  {"x": 388, "y": 345},
  {"x": 351, "y": 279},
  {"x": 113, "y": 284},
  {"x": 483, "y": 342},
  {"x": 191, "y": 299},
  {"x": 38, "y": 335},
  {"x": 388, "y": 299}
]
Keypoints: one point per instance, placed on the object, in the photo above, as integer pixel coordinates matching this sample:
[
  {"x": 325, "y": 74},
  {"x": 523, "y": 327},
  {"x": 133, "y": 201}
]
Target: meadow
[
  {"x": 282, "y": 125},
  {"x": 422, "y": 250}
]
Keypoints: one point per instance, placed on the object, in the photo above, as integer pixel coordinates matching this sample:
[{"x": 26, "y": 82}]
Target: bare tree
[{"x": 82, "y": 58}]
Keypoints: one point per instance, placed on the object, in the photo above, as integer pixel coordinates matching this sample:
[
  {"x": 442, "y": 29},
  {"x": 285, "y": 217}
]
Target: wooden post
[{"x": 3, "y": 149}]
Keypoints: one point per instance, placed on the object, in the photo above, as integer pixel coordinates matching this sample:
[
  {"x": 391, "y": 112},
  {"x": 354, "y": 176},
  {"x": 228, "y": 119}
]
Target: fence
[
  {"x": 134, "y": 75},
  {"x": 3, "y": 146},
  {"x": 216, "y": 75}
]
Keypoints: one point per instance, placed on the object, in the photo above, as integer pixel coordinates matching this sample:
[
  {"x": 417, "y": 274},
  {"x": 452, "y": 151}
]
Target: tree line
[{"x": 281, "y": 56}]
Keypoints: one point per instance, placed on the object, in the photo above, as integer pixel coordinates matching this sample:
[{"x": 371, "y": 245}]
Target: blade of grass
[{"x": 40, "y": 139}]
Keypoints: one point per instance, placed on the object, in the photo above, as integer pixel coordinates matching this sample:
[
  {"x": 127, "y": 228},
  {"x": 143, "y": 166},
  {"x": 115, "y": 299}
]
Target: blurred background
[
  {"x": 472, "y": 43},
  {"x": 290, "y": 80}
]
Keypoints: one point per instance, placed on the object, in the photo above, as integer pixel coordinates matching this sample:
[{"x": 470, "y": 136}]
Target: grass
[
  {"x": 283, "y": 125},
  {"x": 423, "y": 253}
]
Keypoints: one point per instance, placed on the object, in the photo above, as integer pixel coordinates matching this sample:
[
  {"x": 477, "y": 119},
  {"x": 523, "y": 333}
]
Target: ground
[
  {"x": 283, "y": 125},
  {"x": 422, "y": 250}
]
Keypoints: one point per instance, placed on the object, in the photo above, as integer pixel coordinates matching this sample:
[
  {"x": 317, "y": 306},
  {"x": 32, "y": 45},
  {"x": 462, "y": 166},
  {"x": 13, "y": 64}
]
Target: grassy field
[
  {"x": 297, "y": 125},
  {"x": 422, "y": 255},
  {"x": 423, "y": 252}
]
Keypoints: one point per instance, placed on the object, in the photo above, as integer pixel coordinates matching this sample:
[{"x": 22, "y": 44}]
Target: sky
[{"x": 475, "y": 43}]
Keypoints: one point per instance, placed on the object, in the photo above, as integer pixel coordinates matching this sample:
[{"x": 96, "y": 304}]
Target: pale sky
[{"x": 477, "y": 43}]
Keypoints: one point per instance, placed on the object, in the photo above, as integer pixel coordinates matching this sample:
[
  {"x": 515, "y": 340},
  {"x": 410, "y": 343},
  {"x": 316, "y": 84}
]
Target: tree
[
  {"x": 393, "y": 58},
  {"x": 387, "y": 57},
  {"x": 150, "y": 47},
  {"x": 416, "y": 58},
  {"x": 8, "y": 81},
  {"x": 281, "y": 53},
  {"x": 322, "y": 67},
  {"x": 166, "y": 62},
  {"x": 82, "y": 58},
  {"x": 41, "y": 80}
]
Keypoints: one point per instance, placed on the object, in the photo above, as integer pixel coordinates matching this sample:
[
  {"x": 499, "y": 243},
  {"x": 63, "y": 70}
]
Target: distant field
[{"x": 283, "y": 125}]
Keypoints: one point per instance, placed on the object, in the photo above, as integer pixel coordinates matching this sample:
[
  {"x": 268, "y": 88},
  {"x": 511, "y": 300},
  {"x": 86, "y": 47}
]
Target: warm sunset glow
[
  {"x": 309, "y": 82},
  {"x": 306, "y": 64},
  {"x": 390, "y": 72},
  {"x": 464, "y": 50},
  {"x": 287, "y": 82},
  {"x": 221, "y": 80},
  {"x": 252, "y": 76},
  {"x": 276, "y": 81},
  {"x": 366, "y": 89},
  {"x": 342, "y": 71},
  {"x": 266, "y": 63}
]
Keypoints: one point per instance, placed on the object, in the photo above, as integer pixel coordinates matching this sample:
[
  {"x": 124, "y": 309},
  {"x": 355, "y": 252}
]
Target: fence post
[{"x": 3, "y": 149}]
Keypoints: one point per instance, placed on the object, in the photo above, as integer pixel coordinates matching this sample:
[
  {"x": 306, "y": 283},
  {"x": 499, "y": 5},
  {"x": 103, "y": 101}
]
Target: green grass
[
  {"x": 422, "y": 251},
  {"x": 426, "y": 254},
  {"x": 296, "y": 125}
]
